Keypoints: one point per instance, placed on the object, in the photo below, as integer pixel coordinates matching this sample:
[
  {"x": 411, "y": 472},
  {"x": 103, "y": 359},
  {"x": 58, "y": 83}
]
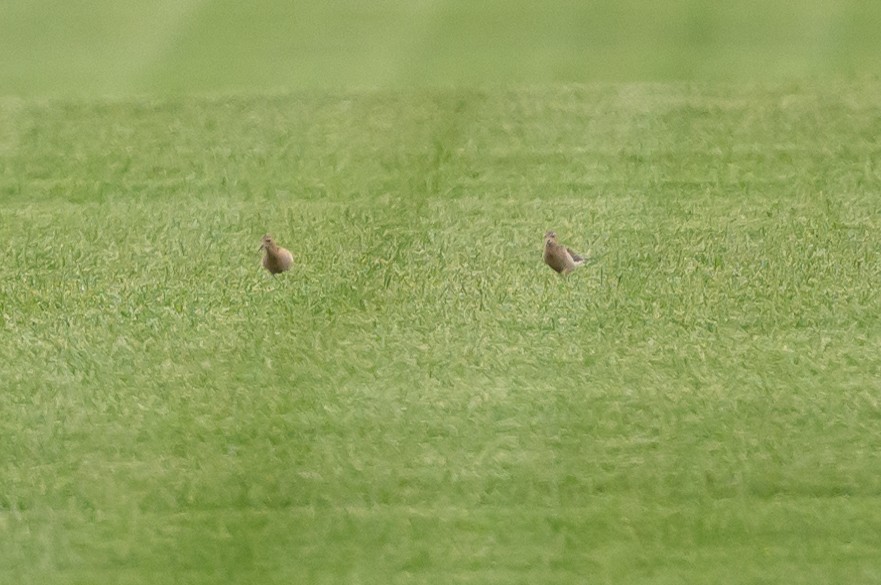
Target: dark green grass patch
[{"x": 420, "y": 399}]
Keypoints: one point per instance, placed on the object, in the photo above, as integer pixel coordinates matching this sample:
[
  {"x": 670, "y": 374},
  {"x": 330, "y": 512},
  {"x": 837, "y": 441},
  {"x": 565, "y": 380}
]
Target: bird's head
[
  {"x": 550, "y": 236},
  {"x": 267, "y": 242}
]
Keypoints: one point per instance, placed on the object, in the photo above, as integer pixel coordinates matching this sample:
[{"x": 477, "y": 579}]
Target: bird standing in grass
[
  {"x": 276, "y": 259},
  {"x": 562, "y": 259}
]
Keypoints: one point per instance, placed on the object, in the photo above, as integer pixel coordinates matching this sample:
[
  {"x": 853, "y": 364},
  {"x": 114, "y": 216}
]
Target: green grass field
[
  {"x": 120, "y": 47},
  {"x": 421, "y": 400}
]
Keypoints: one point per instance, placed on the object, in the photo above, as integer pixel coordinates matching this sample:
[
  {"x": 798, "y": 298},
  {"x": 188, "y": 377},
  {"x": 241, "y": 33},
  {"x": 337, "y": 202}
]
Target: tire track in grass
[
  {"x": 10, "y": 125},
  {"x": 10, "y": 137}
]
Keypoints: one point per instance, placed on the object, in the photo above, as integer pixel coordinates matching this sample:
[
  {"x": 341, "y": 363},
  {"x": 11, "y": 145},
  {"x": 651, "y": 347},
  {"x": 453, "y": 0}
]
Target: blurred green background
[{"x": 119, "y": 47}]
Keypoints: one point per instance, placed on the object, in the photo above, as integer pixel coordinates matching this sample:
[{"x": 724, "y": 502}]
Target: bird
[
  {"x": 277, "y": 259},
  {"x": 562, "y": 259}
]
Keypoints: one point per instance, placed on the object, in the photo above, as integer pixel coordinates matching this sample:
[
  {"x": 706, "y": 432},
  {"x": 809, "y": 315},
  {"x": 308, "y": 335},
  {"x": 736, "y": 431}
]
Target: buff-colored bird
[
  {"x": 562, "y": 259},
  {"x": 276, "y": 259}
]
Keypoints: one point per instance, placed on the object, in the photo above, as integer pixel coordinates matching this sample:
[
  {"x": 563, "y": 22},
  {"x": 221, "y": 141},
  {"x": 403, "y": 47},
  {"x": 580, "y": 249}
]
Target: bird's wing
[{"x": 574, "y": 255}]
